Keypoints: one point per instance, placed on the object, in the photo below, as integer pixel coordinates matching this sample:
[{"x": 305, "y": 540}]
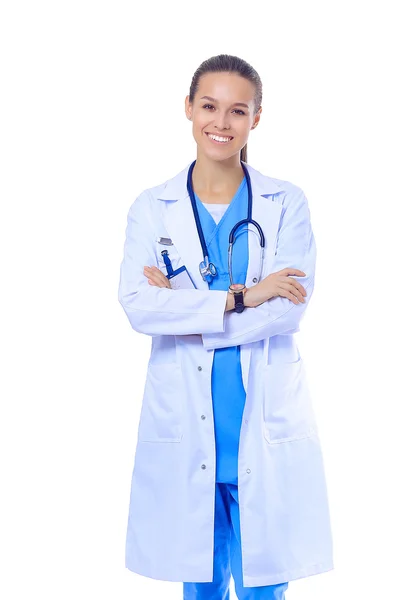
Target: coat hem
[
  {"x": 248, "y": 581},
  {"x": 287, "y": 576}
]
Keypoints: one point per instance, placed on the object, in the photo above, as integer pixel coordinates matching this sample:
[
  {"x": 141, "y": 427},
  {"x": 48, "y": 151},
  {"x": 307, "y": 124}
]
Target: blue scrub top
[{"x": 228, "y": 393}]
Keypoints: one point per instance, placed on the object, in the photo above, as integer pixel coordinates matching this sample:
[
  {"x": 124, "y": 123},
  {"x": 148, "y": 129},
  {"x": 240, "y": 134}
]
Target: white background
[{"x": 92, "y": 113}]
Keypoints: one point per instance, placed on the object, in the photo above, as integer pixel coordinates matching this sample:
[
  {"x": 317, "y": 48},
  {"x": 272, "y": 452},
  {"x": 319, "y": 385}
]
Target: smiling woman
[
  {"x": 233, "y": 108},
  {"x": 228, "y": 478}
]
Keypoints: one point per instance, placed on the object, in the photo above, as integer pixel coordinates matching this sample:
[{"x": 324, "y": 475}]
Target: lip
[{"x": 219, "y": 135}]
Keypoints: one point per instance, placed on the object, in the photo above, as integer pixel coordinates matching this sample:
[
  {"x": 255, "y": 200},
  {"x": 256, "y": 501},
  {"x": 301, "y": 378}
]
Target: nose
[{"x": 220, "y": 122}]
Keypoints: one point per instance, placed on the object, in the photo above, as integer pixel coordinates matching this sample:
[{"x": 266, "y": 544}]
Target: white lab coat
[{"x": 284, "y": 513}]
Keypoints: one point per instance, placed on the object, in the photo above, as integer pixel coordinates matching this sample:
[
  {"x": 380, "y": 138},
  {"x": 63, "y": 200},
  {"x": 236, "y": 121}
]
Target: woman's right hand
[{"x": 276, "y": 284}]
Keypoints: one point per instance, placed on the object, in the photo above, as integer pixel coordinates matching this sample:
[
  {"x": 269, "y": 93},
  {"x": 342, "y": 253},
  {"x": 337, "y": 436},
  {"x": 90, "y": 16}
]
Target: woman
[{"x": 228, "y": 477}]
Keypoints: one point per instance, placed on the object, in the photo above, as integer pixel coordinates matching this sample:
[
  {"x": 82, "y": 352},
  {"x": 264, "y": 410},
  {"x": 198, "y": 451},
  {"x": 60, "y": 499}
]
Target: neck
[{"x": 215, "y": 176}]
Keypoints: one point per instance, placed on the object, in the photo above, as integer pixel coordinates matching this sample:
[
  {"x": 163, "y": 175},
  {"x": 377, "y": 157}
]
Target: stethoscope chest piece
[{"x": 207, "y": 270}]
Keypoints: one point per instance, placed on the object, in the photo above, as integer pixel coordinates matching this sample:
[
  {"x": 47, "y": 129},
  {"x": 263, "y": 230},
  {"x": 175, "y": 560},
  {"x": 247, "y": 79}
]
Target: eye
[{"x": 238, "y": 110}]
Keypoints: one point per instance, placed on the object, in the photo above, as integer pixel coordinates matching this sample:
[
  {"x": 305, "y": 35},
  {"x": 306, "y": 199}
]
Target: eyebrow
[{"x": 234, "y": 104}]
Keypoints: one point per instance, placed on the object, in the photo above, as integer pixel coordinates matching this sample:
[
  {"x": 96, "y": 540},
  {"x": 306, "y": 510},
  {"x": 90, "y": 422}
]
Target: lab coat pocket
[
  {"x": 173, "y": 255},
  {"x": 160, "y": 419},
  {"x": 287, "y": 407}
]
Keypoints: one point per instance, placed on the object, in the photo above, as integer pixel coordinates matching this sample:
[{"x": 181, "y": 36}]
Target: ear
[
  {"x": 188, "y": 108},
  {"x": 257, "y": 118}
]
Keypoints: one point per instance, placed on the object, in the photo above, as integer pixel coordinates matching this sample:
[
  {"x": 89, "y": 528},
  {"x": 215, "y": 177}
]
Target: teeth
[{"x": 219, "y": 139}]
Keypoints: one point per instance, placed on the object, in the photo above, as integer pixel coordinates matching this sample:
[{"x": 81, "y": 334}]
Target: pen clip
[
  {"x": 167, "y": 262},
  {"x": 165, "y": 241}
]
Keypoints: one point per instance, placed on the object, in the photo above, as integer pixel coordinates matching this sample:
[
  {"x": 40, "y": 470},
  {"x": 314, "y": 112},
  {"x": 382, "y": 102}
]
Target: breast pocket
[
  {"x": 161, "y": 412},
  {"x": 175, "y": 258},
  {"x": 287, "y": 406}
]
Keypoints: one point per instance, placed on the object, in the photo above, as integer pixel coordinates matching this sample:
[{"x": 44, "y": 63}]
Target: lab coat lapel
[
  {"x": 179, "y": 221},
  {"x": 267, "y": 213}
]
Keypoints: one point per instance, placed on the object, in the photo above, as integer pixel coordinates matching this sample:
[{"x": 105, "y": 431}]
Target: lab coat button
[
  {"x": 203, "y": 417},
  {"x": 248, "y": 471},
  {"x": 246, "y": 421},
  {"x": 255, "y": 280},
  {"x": 200, "y": 368},
  {"x": 203, "y": 467}
]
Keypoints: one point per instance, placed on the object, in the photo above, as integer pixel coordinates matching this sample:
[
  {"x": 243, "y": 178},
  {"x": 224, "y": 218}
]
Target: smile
[{"x": 218, "y": 139}]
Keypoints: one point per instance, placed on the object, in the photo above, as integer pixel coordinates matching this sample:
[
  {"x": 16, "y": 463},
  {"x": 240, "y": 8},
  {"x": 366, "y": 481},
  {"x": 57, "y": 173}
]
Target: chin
[{"x": 219, "y": 155}]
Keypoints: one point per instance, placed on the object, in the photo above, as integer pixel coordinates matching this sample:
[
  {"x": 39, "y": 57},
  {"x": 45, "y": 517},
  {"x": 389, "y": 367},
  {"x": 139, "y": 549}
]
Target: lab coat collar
[{"x": 176, "y": 188}]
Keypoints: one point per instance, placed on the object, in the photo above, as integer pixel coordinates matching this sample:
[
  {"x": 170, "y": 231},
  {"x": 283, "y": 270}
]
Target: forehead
[{"x": 226, "y": 87}]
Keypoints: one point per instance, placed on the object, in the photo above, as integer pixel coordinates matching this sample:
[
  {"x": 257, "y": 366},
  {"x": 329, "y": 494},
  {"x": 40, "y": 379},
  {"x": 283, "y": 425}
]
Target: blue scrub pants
[{"x": 227, "y": 556}]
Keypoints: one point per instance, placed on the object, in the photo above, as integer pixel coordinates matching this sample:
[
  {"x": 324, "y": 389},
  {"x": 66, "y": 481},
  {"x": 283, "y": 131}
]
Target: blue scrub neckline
[{"x": 236, "y": 195}]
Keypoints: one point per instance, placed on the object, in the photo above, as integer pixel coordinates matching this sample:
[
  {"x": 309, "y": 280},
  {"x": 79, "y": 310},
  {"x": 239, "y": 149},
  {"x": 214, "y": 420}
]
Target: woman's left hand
[{"x": 156, "y": 277}]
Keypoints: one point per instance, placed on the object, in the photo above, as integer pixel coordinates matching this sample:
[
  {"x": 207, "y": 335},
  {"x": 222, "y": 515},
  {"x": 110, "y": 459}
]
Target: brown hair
[{"x": 230, "y": 64}]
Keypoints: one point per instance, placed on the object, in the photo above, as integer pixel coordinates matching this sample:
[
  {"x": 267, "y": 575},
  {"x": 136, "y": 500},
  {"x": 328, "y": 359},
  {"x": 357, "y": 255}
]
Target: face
[{"x": 228, "y": 114}]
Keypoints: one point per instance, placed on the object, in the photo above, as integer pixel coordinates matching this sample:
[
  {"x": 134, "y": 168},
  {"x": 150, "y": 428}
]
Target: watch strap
[{"x": 239, "y": 302}]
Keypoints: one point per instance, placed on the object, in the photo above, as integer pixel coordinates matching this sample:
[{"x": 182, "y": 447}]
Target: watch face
[{"x": 236, "y": 287}]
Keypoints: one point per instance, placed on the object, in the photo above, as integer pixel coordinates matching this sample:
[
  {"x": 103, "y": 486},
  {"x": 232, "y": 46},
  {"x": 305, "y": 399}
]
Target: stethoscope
[{"x": 208, "y": 269}]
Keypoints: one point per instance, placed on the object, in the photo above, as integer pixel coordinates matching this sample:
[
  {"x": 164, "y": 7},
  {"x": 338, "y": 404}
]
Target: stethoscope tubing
[{"x": 236, "y": 226}]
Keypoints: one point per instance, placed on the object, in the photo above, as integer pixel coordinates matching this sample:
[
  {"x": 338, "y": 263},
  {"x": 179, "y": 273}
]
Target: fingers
[
  {"x": 292, "y": 290},
  {"x": 294, "y": 295},
  {"x": 291, "y": 271},
  {"x": 290, "y": 281},
  {"x": 156, "y": 277}
]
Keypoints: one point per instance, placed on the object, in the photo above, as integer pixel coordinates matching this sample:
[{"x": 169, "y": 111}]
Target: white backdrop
[{"x": 92, "y": 113}]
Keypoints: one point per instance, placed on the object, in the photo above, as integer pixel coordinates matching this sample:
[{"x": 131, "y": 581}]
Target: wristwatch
[{"x": 238, "y": 290}]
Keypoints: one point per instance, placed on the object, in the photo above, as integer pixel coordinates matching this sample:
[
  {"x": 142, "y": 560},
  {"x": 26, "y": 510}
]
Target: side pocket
[
  {"x": 287, "y": 406},
  {"x": 161, "y": 412}
]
